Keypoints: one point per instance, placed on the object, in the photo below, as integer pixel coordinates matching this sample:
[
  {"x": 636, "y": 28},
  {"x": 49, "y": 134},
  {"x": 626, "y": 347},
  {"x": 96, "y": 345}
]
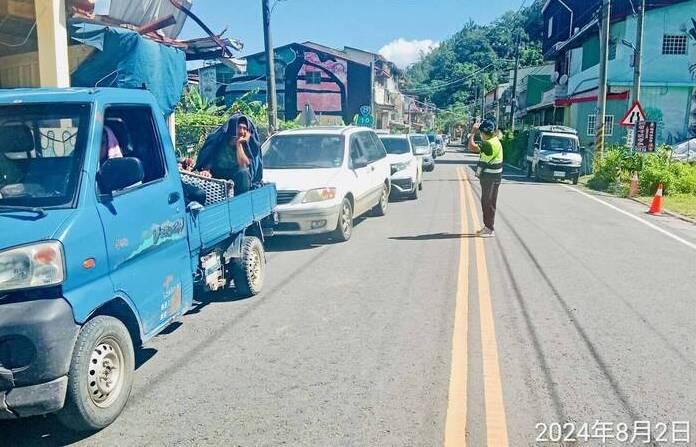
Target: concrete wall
[
  {"x": 22, "y": 70},
  {"x": 579, "y": 115}
]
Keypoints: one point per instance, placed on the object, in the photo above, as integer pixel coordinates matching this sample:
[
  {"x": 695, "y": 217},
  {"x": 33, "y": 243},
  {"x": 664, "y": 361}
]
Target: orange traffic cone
[
  {"x": 633, "y": 189},
  {"x": 656, "y": 207}
]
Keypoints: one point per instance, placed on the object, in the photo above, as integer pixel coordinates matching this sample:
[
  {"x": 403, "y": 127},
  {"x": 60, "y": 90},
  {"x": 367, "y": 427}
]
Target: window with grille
[
  {"x": 592, "y": 125},
  {"x": 674, "y": 44}
]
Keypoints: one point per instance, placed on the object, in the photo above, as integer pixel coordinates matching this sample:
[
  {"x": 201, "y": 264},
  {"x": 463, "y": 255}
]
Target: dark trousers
[
  {"x": 242, "y": 181},
  {"x": 489, "y": 200}
]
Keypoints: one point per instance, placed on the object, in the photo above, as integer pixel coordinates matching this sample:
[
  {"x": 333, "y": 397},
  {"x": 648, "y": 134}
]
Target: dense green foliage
[
  {"x": 515, "y": 147},
  {"x": 196, "y": 118},
  {"x": 613, "y": 172},
  {"x": 450, "y": 75}
]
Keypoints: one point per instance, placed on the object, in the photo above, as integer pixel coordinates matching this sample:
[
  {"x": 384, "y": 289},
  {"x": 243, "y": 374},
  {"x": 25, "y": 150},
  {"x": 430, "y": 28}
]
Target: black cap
[{"x": 488, "y": 126}]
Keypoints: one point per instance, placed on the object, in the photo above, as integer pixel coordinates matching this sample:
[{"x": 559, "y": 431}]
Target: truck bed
[{"x": 216, "y": 222}]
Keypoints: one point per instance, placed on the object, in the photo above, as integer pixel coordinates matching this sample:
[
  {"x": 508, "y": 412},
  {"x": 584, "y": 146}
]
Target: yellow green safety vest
[{"x": 493, "y": 164}]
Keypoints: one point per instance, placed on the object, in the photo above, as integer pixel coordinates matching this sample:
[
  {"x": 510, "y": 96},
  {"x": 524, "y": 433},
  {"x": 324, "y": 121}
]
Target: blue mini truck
[{"x": 98, "y": 254}]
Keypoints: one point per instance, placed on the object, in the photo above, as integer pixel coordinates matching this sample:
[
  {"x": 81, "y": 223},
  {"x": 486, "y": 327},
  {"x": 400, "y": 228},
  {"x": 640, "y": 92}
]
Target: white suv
[
  {"x": 325, "y": 177},
  {"x": 406, "y": 168}
]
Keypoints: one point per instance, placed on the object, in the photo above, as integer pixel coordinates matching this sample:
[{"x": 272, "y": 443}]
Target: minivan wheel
[
  {"x": 344, "y": 226},
  {"x": 381, "y": 207},
  {"x": 100, "y": 377}
]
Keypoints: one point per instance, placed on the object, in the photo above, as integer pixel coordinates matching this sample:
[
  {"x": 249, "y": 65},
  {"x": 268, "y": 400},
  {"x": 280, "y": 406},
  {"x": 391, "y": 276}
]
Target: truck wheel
[
  {"x": 100, "y": 377},
  {"x": 381, "y": 208},
  {"x": 344, "y": 227},
  {"x": 575, "y": 179},
  {"x": 529, "y": 170},
  {"x": 249, "y": 271}
]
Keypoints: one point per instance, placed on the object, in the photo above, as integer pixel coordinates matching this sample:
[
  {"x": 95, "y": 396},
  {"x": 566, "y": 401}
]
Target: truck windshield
[
  {"x": 41, "y": 151},
  {"x": 303, "y": 152},
  {"x": 557, "y": 143},
  {"x": 396, "y": 145}
]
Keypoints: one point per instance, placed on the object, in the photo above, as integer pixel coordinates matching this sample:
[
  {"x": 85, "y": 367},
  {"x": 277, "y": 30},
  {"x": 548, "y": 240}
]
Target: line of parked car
[{"x": 328, "y": 176}]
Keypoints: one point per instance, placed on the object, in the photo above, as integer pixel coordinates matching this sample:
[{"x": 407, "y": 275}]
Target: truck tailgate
[{"x": 217, "y": 222}]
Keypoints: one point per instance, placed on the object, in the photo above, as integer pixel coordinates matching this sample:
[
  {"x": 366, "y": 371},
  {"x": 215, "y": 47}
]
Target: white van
[{"x": 325, "y": 177}]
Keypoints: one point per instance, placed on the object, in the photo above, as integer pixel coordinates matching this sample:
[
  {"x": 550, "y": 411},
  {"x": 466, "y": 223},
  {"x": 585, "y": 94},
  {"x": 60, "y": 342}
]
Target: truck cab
[
  {"x": 553, "y": 153},
  {"x": 99, "y": 247}
]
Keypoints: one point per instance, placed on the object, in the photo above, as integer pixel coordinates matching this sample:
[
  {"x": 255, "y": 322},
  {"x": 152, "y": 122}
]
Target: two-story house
[{"x": 668, "y": 74}]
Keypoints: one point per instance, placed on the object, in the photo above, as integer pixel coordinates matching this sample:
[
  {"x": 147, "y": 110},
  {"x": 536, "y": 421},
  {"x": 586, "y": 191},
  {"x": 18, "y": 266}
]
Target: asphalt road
[{"x": 416, "y": 334}]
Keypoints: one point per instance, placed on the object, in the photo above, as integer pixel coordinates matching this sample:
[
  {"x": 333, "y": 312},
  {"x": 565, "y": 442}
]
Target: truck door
[
  {"x": 536, "y": 148},
  {"x": 144, "y": 224}
]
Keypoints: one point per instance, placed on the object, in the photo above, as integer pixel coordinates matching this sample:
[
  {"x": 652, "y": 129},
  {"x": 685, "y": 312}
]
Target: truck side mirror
[{"x": 119, "y": 173}]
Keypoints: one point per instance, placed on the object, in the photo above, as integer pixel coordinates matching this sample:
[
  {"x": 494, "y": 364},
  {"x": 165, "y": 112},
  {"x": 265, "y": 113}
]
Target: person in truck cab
[
  {"x": 228, "y": 153},
  {"x": 110, "y": 147}
]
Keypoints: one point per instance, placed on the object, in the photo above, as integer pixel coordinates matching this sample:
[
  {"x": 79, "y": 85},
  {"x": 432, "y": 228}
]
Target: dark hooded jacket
[{"x": 217, "y": 141}]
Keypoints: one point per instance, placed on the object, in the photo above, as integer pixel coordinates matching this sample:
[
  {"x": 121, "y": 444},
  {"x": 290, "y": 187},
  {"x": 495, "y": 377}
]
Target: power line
[{"x": 434, "y": 88}]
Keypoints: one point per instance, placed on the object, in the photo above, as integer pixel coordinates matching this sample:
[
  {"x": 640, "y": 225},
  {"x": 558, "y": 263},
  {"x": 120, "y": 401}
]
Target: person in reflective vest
[{"x": 489, "y": 170}]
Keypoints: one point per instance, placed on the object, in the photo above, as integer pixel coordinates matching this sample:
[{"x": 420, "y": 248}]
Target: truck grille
[
  {"x": 287, "y": 226},
  {"x": 285, "y": 197}
]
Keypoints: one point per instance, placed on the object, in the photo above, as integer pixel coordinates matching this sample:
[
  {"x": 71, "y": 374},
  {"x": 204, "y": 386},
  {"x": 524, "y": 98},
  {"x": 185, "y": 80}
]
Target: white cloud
[{"x": 405, "y": 52}]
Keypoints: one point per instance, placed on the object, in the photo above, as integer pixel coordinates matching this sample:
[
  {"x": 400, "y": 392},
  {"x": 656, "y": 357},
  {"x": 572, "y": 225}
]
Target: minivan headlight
[
  {"x": 396, "y": 167},
  {"x": 30, "y": 266},
  {"x": 319, "y": 195}
]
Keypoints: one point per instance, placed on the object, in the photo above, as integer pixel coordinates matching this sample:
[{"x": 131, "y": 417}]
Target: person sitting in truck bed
[{"x": 232, "y": 152}]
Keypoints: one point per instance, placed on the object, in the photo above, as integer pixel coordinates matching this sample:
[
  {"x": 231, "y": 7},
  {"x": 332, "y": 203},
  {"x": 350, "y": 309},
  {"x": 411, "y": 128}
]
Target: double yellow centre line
[{"x": 496, "y": 425}]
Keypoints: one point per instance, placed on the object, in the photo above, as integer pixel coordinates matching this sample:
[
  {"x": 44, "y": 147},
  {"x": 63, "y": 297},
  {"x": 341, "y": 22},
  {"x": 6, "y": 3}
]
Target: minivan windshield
[
  {"x": 41, "y": 152},
  {"x": 395, "y": 145},
  {"x": 303, "y": 152},
  {"x": 420, "y": 144},
  {"x": 558, "y": 143}
]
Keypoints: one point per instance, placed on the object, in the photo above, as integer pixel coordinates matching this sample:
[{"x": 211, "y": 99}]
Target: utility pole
[
  {"x": 638, "y": 53},
  {"x": 270, "y": 68},
  {"x": 483, "y": 99},
  {"x": 604, "y": 62},
  {"x": 513, "y": 102}
]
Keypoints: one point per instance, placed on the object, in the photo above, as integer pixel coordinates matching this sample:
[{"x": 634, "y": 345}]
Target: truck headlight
[
  {"x": 396, "y": 167},
  {"x": 319, "y": 195},
  {"x": 35, "y": 265}
]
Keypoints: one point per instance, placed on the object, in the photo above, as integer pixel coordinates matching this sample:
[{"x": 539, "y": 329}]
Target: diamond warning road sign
[{"x": 635, "y": 113}]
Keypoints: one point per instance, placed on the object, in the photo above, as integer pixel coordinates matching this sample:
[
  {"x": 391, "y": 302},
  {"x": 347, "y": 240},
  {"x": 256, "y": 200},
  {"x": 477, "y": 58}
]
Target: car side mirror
[
  {"x": 359, "y": 163},
  {"x": 119, "y": 173}
]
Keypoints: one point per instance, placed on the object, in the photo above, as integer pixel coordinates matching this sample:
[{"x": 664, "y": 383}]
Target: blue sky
[{"x": 365, "y": 24}]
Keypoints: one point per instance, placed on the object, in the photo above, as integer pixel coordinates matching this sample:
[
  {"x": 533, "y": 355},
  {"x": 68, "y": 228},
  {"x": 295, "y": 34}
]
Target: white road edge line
[{"x": 634, "y": 217}]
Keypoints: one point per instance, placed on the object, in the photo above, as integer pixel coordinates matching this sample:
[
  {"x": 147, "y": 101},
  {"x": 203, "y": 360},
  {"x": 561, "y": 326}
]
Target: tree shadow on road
[{"x": 434, "y": 236}]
